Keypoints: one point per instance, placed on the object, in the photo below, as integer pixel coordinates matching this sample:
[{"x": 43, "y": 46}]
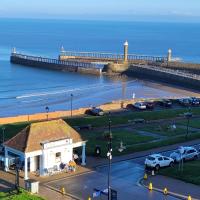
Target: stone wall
[
  {"x": 160, "y": 76},
  {"x": 116, "y": 67}
]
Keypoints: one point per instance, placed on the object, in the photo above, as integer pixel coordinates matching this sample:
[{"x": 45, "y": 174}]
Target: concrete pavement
[
  {"x": 176, "y": 187},
  {"x": 124, "y": 179}
]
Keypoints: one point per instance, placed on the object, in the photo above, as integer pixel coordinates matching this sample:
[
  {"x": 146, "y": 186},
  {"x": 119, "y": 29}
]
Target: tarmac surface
[{"x": 125, "y": 178}]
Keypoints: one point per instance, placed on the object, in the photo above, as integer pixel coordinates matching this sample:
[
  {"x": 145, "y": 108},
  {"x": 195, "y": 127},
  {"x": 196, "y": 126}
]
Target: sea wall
[
  {"x": 190, "y": 67},
  {"x": 54, "y": 64},
  {"x": 161, "y": 76}
]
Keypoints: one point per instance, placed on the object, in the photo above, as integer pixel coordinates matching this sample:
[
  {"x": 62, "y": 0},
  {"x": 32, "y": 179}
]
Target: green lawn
[
  {"x": 22, "y": 196},
  {"x": 166, "y": 130},
  {"x": 129, "y": 139},
  {"x": 190, "y": 174},
  {"x": 98, "y": 121},
  {"x": 12, "y": 129},
  {"x": 195, "y": 123},
  {"x": 132, "y": 140}
]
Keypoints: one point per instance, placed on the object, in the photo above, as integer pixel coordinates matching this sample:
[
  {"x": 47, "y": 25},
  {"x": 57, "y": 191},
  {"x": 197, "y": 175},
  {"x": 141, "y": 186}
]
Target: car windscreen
[{"x": 150, "y": 158}]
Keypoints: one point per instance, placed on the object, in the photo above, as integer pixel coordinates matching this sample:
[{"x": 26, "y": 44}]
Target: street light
[
  {"x": 47, "y": 111},
  {"x": 188, "y": 115},
  {"x": 71, "y": 102},
  {"x": 109, "y": 155}
]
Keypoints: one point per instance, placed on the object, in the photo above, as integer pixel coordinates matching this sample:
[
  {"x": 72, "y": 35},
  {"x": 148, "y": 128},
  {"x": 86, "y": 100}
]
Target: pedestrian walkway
[{"x": 175, "y": 186}]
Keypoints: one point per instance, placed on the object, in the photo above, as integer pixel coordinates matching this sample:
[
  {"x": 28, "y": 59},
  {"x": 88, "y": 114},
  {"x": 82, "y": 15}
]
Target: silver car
[{"x": 185, "y": 153}]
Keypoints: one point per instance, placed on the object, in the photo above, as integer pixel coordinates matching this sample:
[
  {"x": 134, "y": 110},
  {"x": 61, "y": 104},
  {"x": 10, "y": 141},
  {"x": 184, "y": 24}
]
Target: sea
[{"x": 27, "y": 90}]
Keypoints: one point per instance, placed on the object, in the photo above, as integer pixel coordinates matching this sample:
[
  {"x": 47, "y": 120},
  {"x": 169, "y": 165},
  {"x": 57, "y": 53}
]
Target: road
[{"x": 125, "y": 178}]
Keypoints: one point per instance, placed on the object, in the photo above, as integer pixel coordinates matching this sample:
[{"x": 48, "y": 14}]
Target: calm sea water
[{"x": 25, "y": 90}]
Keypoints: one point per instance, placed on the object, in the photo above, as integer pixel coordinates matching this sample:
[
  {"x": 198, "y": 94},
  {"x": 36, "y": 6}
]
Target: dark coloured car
[
  {"x": 194, "y": 101},
  {"x": 95, "y": 111},
  {"x": 185, "y": 101},
  {"x": 150, "y": 105},
  {"x": 165, "y": 103}
]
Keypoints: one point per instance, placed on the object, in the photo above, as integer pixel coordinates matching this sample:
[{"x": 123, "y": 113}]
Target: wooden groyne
[{"x": 55, "y": 64}]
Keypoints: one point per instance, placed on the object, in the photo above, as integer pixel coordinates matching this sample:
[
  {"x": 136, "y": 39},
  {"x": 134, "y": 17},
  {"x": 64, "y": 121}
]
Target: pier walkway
[
  {"x": 56, "y": 64},
  {"x": 169, "y": 71},
  {"x": 109, "y": 56}
]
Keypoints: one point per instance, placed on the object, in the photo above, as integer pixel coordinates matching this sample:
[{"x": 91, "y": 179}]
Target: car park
[
  {"x": 185, "y": 153},
  {"x": 95, "y": 111},
  {"x": 157, "y": 160},
  {"x": 165, "y": 103},
  {"x": 140, "y": 105}
]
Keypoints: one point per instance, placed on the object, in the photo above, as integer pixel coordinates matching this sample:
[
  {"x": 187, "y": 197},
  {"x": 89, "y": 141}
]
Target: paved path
[{"x": 175, "y": 186}]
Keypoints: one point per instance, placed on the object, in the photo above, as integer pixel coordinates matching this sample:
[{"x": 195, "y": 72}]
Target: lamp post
[
  {"x": 47, "y": 111},
  {"x": 109, "y": 155},
  {"x": 188, "y": 115},
  {"x": 3, "y": 134},
  {"x": 71, "y": 103}
]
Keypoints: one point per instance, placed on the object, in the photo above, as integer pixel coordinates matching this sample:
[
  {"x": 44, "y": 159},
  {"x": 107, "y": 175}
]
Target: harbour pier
[
  {"x": 56, "y": 64},
  {"x": 161, "y": 68}
]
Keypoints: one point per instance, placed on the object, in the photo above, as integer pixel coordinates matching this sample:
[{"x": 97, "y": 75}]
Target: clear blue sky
[{"x": 102, "y": 9}]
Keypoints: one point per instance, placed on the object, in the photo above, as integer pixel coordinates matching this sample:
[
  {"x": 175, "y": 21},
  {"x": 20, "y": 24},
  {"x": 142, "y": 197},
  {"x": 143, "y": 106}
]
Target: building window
[{"x": 58, "y": 156}]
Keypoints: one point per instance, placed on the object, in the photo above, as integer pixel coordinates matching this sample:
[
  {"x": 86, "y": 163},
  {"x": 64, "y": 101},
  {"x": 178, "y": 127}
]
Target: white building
[{"x": 43, "y": 146}]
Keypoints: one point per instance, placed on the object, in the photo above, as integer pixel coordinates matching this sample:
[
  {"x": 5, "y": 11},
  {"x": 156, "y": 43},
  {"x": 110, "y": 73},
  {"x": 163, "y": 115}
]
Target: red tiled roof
[{"x": 30, "y": 138}]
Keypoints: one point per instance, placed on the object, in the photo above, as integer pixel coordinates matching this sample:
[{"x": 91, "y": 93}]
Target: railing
[
  {"x": 111, "y": 56},
  {"x": 171, "y": 71},
  {"x": 59, "y": 62}
]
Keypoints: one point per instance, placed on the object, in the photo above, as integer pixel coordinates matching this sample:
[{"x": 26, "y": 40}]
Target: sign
[
  {"x": 96, "y": 194},
  {"x": 113, "y": 194},
  {"x": 105, "y": 192}
]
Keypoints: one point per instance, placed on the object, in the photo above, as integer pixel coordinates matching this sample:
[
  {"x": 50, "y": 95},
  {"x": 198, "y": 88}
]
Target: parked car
[
  {"x": 95, "y": 111},
  {"x": 149, "y": 105},
  {"x": 184, "y": 101},
  {"x": 157, "y": 160},
  {"x": 194, "y": 101},
  {"x": 165, "y": 103},
  {"x": 188, "y": 153},
  {"x": 140, "y": 105}
]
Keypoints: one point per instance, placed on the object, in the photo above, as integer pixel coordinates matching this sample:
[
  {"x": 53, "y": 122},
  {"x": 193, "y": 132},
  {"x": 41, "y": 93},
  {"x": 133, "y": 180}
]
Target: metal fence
[
  {"x": 112, "y": 56},
  {"x": 59, "y": 62}
]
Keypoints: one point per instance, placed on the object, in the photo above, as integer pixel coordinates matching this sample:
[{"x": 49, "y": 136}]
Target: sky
[{"x": 184, "y": 10}]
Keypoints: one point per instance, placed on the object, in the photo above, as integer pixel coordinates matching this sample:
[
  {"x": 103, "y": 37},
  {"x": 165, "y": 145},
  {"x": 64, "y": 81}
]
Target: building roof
[{"x": 30, "y": 138}]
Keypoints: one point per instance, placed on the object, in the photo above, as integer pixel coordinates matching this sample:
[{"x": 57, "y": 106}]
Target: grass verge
[
  {"x": 23, "y": 195},
  {"x": 190, "y": 174}
]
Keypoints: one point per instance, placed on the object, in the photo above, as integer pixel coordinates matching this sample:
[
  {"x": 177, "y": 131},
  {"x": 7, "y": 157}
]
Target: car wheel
[
  {"x": 157, "y": 167},
  {"x": 171, "y": 164}
]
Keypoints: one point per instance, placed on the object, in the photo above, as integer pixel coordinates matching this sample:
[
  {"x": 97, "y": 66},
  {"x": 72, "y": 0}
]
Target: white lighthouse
[
  {"x": 126, "y": 51},
  {"x": 169, "y": 55}
]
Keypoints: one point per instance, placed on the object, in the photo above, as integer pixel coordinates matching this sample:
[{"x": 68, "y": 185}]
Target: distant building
[{"x": 44, "y": 145}]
